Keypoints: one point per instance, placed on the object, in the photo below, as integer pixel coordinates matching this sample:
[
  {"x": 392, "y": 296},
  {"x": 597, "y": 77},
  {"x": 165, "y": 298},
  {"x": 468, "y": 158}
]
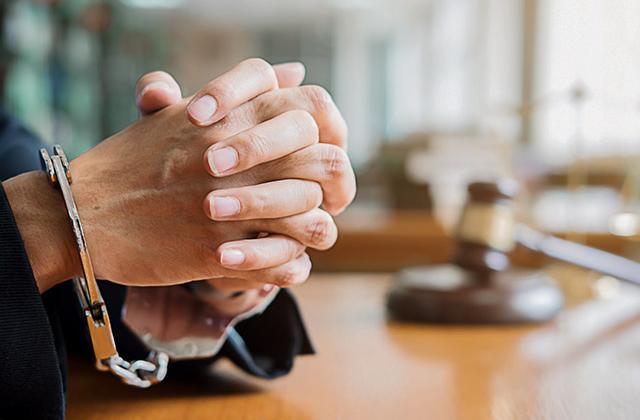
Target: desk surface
[{"x": 585, "y": 365}]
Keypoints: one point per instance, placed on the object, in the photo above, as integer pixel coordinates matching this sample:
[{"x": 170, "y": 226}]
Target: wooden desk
[{"x": 585, "y": 365}]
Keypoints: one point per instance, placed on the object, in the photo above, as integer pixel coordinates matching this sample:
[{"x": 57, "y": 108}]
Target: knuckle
[
  {"x": 258, "y": 203},
  {"x": 320, "y": 232},
  {"x": 290, "y": 276},
  {"x": 266, "y": 106},
  {"x": 304, "y": 124},
  {"x": 334, "y": 161},
  {"x": 255, "y": 146},
  {"x": 318, "y": 96},
  {"x": 287, "y": 278},
  {"x": 237, "y": 119},
  {"x": 223, "y": 92},
  {"x": 274, "y": 103},
  {"x": 261, "y": 66}
]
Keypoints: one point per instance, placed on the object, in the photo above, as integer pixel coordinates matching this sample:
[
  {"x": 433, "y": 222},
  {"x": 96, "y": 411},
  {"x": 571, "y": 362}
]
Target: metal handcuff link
[{"x": 139, "y": 373}]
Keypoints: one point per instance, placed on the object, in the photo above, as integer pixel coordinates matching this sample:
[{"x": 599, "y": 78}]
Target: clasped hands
[
  {"x": 230, "y": 185},
  {"x": 226, "y": 185},
  {"x": 257, "y": 125}
]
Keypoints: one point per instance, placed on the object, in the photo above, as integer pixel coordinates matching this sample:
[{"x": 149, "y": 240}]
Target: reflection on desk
[{"x": 585, "y": 365}]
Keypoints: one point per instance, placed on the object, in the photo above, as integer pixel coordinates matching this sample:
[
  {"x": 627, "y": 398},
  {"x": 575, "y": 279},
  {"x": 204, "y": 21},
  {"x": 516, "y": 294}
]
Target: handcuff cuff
[{"x": 138, "y": 373}]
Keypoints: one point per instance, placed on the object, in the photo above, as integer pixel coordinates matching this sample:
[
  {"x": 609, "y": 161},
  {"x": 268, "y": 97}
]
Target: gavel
[{"x": 480, "y": 286}]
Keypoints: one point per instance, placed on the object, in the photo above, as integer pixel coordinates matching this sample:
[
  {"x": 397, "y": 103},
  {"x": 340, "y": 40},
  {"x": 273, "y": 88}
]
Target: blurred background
[{"x": 437, "y": 93}]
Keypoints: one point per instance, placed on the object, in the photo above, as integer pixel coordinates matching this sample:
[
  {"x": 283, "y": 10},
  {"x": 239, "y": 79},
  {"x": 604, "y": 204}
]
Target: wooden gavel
[{"x": 480, "y": 286}]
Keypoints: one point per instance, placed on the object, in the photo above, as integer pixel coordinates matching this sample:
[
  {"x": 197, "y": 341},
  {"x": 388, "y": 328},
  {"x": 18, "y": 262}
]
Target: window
[{"x": 593, "y": 45}]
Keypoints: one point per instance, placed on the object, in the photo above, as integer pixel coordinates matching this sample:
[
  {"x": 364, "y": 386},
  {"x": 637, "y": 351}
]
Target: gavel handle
[{"x": 578, "y": 254}]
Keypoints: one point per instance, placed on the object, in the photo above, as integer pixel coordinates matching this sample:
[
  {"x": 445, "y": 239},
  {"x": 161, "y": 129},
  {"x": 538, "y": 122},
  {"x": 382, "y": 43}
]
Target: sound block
[{"x": 449, "y": 294}]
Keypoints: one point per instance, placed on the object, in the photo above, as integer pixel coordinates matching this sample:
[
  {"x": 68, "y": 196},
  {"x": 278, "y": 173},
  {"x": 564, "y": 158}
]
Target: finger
[
  {"x": 291, "y": 273},
  {"x": 289, "y": 74},
  {"x": 323, "y": 163},
  {"x": 156, "y": 90},
  {"x": 265, "y": 142},
  {"x": 270, "y": 200},
  {"x": 245, "y": 81},
  {"x": 313, "y": 99},
  {"x": 314, "y": 229},
  {"x": 256, "y": 254}
]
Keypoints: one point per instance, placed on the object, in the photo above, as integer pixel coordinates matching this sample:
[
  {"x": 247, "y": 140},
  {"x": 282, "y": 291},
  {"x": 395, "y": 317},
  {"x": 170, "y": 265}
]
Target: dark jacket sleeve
[
  {"x": 30, "y": 376},
  {"x": 18, "y": 148}
]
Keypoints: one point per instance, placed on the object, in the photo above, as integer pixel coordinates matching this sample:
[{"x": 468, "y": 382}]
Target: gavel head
[{"x": 485, "y": 233}]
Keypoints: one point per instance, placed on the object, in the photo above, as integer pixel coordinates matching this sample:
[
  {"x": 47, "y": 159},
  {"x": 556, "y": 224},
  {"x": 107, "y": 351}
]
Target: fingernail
[
  {"x": 203, "y": 108},
  {"x": 232, "y": 257},
  {"x": 266, "y": 289},
  {"x": 224, "y": 206},
  {"x": 221, "y": 160},
  {"x": 158, "y": 84}
]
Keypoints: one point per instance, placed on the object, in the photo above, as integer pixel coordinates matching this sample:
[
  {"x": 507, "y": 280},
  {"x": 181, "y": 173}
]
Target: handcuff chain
[{"x": 139, "y": 373}]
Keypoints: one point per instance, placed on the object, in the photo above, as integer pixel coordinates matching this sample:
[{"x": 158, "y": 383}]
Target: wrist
[{"x": 42, "y": 220}]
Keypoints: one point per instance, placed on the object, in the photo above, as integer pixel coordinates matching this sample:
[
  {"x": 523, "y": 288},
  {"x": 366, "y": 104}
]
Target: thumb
[{"x": 155, "y": 91}]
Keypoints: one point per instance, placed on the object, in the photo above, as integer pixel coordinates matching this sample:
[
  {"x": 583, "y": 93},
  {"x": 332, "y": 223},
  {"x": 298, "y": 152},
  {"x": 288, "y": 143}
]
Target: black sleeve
[
  {"x": 267, "y": 344},
  {"x": 31, "y": 382},
  {"x": 18, "y": 148}
]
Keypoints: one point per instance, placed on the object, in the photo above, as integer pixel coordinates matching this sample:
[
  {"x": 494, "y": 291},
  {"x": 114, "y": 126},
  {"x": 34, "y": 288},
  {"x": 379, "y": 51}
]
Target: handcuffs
[{"x": 138, "y": 373}]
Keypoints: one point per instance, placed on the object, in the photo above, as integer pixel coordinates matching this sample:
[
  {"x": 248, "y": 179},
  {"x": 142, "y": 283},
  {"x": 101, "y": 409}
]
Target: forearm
[{"x": 41, "y": 218}]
